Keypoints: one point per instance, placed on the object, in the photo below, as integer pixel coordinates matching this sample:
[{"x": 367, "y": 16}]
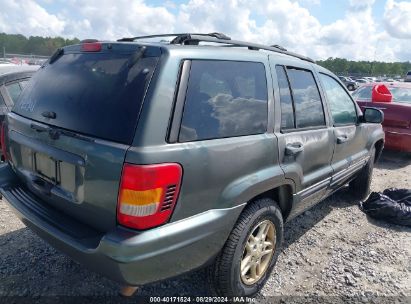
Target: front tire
[
  {"x": 350, "y": 88},
  {"x": 360, "y": 186},
  {"x": 251, "y": 251}
]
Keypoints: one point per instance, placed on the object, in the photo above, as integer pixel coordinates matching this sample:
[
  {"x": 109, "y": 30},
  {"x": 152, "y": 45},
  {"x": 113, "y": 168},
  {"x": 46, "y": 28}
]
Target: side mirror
[
  {"x": 372, "y": 115},
  {"x": 380, "y": 93}
]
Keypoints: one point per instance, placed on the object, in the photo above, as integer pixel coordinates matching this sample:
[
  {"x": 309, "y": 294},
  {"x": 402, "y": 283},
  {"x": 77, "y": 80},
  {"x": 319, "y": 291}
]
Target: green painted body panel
[{"x": 78, "y": 214}]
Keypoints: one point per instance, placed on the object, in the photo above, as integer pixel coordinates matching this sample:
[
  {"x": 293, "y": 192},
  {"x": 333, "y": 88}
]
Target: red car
[{"x": 394, "y": 99}]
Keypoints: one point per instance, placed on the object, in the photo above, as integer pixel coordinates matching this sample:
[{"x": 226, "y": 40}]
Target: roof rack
[
  {"x": 215, "y": 35},
  {"x": 195, "y": 39}
]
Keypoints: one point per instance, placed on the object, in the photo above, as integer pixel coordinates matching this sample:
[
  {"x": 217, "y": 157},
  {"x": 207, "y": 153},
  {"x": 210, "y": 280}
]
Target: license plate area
[{"x": 46, "y": 167}]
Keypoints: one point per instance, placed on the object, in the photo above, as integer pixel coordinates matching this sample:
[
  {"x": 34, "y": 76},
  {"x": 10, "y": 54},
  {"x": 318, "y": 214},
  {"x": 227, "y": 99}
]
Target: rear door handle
[
  {"x": 342, "y": 139},
  {"x": 294, "y": 148}
]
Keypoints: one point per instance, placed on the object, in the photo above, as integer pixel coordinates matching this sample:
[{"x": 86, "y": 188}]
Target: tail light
[
  {"x": 3, "y": 141},
  {"x": 148, "y": 194}
]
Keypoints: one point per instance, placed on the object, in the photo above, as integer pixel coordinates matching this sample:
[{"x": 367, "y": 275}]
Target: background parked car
[
  {"x": 361, "y": 80},
  {"x": 397, "y": 113},
  {"x": 408, "y": 77},
  {"x": 370, "y": 79},
  {"x": 349, "y": 83},
  {"x": 12, "y": 81}
]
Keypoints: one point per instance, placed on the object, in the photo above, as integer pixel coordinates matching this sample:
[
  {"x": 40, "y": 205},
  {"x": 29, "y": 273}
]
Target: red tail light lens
[
  {"x": 148, "y": 194},
  {"x": 91, "y": 47},
  {"x": 3, "y": 141}
]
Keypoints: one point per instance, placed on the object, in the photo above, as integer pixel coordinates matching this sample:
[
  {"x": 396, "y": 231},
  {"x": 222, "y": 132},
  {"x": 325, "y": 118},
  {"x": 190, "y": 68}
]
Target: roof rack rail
[
  {"x": 215, "y": 35},
  {"x": 195, "y": 39},
  {"x": 279, "y": 47}
]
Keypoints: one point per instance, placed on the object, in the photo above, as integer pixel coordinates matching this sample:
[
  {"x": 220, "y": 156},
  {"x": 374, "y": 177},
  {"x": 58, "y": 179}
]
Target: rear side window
[
  {"x": 97, "y": 94},
  {"x": 14, "y": 91},
  {"x": 309, "y": 111},
  {"x": 224, "y": 99},
  {"x": 342, "y": 107}
]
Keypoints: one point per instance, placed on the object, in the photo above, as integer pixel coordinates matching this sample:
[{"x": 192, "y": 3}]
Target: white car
[{"x": 362, "y": 80}]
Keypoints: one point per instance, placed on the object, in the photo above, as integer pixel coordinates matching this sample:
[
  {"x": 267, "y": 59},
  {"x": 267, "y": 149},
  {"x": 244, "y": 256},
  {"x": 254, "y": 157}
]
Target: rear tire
[
  {"x": 360, "y": 186},
  {"x": 350, "y": 88},
  {"x": 245, "y": 262}
]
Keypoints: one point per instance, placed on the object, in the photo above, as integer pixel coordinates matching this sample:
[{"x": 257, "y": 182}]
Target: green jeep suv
[{"x": 144, "y": 160}]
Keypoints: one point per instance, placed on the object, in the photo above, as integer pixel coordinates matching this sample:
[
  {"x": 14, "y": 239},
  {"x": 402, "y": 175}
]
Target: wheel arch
[
  {"x": 266, "y": 183},
  {"x": 282, "y": 195}
]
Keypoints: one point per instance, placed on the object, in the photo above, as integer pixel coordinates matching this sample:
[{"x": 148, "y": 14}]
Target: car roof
[
  {"x": 390, "y": 84},
  {"x": 209, "y": 49},
  {"x": 216, "y": 52},
  {"x": 237, "y": 52},
  {"x": 10, "y": 68}
]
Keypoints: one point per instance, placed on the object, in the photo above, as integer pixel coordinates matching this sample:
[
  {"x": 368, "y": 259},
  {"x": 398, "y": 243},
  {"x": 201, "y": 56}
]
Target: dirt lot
[{"x": 331, "y": 250}]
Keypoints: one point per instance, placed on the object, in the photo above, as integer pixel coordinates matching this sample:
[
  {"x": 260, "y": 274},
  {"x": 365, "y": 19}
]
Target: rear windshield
[{"x": 96, "y": 94}]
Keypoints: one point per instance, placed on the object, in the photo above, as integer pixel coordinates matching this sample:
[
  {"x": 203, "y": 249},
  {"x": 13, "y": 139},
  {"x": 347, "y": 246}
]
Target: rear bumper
[
  {"x": 123, "y": 255},
  {"x": 397, "y": 140}
]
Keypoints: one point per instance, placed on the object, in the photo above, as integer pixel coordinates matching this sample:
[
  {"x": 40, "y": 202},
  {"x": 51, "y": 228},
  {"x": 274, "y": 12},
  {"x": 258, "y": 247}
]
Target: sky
[{"x": 352, "y": 29}]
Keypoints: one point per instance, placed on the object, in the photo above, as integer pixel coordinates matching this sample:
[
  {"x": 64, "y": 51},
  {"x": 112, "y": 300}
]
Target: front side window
[
  {"x": 342, "y": 107},
  {"x": 309, "y": 111},
  {"x": 224, "y": 99}
]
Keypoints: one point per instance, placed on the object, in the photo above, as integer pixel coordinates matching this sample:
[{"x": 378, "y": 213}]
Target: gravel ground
[{"x": 331, "y": 250}]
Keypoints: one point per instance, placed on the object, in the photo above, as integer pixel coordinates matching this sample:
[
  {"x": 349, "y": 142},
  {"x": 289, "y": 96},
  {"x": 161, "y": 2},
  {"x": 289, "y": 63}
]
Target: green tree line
[
  {"x": 19, "y": 44},
  {"x": 45, "y": 46},
  {"x": 365, "y": 68}
]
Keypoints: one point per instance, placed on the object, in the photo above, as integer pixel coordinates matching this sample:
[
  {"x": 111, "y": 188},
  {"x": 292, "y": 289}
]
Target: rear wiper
[
  {"x": 74, "y": 135},
  {"x": 55, "y": 133}
]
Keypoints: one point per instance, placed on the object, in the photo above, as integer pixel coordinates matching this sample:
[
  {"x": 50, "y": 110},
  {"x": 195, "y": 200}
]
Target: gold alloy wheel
[{"x": 258, "y": 252}]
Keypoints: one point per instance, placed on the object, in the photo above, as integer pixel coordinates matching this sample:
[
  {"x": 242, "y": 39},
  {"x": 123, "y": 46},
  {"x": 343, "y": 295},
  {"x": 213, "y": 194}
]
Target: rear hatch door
[{"x": 70, "y": 129}]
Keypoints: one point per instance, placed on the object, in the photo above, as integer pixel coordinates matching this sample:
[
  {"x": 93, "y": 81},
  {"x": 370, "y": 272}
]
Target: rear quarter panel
[{"x": 218, "y": 173}]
